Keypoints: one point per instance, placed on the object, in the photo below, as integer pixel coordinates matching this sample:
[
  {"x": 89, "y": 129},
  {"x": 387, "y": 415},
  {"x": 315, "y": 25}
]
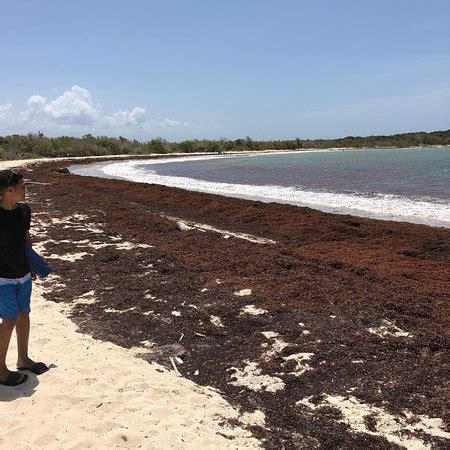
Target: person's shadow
[{"x": 27, "y": 389}]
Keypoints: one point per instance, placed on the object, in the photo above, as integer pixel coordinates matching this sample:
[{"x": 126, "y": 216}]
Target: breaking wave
[{"x": 373, "y": 205}]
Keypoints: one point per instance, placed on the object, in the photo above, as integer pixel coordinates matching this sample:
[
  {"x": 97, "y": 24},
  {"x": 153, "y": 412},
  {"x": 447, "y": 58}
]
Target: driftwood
[
  {"x": 172, "y": 361},
  {"x": 200, "y": 334}
]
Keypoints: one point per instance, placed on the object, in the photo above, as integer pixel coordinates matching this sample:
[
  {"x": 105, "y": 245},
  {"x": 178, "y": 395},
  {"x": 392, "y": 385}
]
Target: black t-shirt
[{"x": 13, "y": 226}]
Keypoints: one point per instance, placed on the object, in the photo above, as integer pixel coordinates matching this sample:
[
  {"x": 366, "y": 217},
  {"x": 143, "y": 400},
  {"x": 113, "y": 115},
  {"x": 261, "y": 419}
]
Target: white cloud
[
  {"x": 172, "y": 123},
  {"x": 7, "y": 119},
  {"x": 75, "y": 113},
  {"x": 74, "y": 107},
  {"x": 120, "y": 118},
  {"x": 5, "y": 108}
]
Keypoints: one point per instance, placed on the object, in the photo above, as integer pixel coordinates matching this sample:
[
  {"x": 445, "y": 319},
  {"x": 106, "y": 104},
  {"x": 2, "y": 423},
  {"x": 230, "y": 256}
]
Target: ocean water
[{"x": 393, "y": 184}]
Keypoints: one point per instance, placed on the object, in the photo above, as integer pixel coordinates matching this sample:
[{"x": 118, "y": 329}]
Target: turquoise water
[
  {"x": 397, "y": 184},
  {"x": 413, "y": 173}
]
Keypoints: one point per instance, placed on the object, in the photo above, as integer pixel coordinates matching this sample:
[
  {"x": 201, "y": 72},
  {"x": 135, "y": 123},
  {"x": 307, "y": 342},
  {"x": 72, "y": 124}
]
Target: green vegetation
[{"x": 37, "y": 145}]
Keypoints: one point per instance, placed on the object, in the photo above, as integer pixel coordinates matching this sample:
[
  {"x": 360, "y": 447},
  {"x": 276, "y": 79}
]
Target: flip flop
[
  {"x": 37, "y": 368},
  {"x": 14, "y": 379}
]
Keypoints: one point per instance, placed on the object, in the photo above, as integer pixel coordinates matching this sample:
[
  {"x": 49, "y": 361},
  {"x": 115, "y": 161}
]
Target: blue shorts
[{"x": 15, "y": 297}]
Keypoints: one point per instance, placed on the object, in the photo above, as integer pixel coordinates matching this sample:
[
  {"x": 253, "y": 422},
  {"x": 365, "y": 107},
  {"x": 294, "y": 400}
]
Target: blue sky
[{"x": 210, "y": 69}]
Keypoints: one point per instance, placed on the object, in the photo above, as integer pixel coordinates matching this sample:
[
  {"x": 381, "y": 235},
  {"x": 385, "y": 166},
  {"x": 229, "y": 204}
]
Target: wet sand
[{"x": 328, "y": 330}]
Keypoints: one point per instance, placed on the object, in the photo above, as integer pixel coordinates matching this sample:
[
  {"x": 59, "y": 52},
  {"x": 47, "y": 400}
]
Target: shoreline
[
  {"x": 20, "y": 162},
  {"x": 323, "y": 208},
  {"x": 325, "y": 308},
  {"x": 380, "y": 207}
]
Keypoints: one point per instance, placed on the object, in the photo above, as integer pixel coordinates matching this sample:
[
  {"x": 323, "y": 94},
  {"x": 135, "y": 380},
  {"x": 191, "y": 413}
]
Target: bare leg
[
  {"x": 23, "y": 335},
  {"x": 6, "y": 328}
]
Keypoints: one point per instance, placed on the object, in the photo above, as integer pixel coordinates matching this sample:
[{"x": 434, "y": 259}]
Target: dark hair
[{"x": 9, "y": 177}]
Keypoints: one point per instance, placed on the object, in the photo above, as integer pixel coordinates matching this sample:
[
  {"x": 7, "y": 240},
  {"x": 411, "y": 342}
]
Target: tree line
[{"x": 37, "y": 145}]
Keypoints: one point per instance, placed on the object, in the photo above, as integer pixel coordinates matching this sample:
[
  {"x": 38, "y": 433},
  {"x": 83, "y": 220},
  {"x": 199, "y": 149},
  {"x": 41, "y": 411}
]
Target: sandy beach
[
  {"x": 99, "y": 395},
  {"x": 258, "y": 325}
]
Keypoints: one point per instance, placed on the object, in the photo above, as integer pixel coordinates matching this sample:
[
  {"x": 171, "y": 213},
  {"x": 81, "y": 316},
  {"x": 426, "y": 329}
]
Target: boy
[{"x": 15, "y": 277}]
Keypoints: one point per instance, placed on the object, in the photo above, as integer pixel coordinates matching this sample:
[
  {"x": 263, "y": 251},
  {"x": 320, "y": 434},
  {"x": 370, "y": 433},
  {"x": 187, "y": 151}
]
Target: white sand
[
  {"x": 243, "y": 292},
  {"x": 388, "y": 329},
  {"x": 300, "y": 365},
  {"x": 395, "y": 429},
  {"x": 216, "y": 320},
  {"x": 99, "y": 395},
  {"x": 251, "y": 377},
  {"x": 252, "y": 310}
]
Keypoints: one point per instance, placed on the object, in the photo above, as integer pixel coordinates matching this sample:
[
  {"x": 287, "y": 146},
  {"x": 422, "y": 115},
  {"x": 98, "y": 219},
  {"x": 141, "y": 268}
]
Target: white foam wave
[{"x": 380, "y": 206}]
